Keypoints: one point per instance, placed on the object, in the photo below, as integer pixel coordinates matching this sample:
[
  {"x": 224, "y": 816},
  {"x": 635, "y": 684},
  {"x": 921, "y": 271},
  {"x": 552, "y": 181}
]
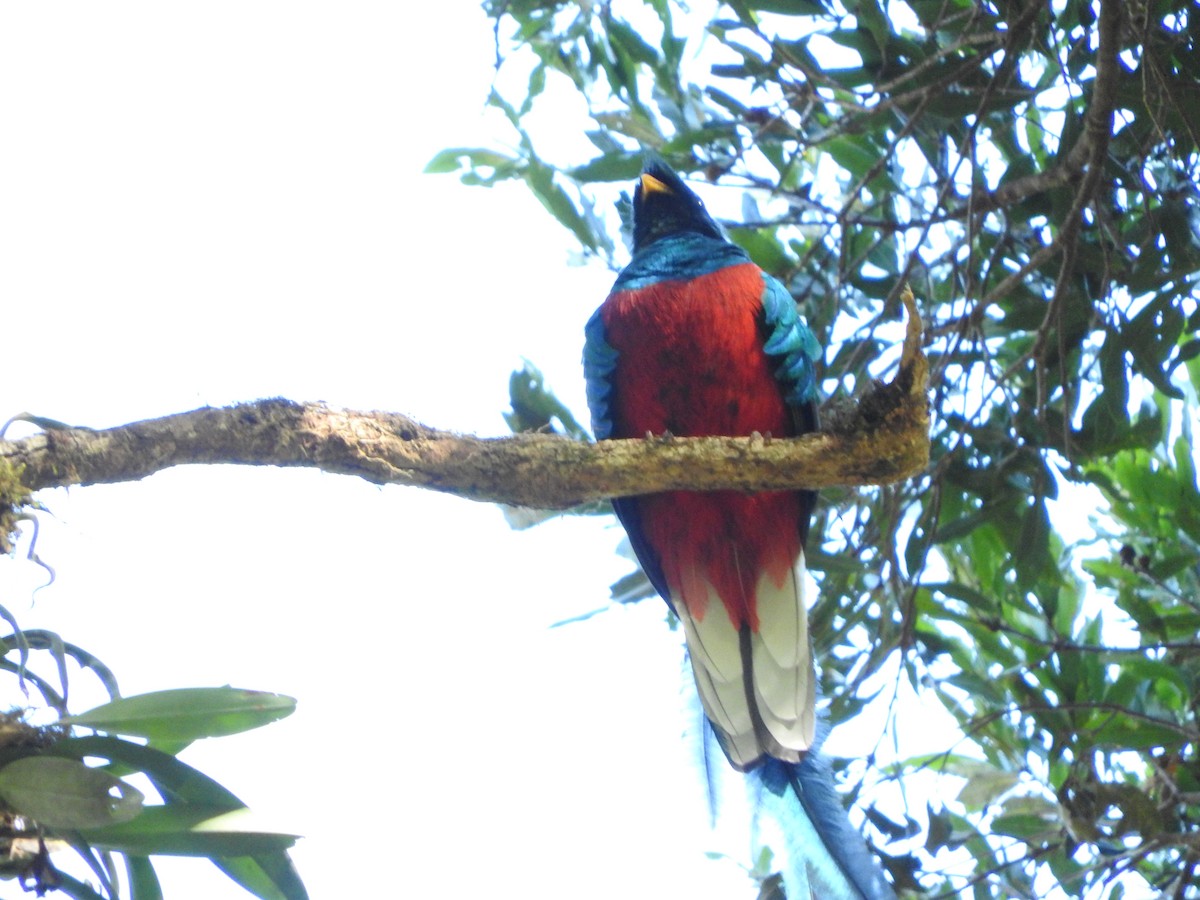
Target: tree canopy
[{"x": 1031, "y": 171}]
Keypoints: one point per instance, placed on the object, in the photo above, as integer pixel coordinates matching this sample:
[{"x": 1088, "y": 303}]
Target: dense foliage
[
  {"x": 63, "y": 788},
  {"x": 1031, "y": 170}
]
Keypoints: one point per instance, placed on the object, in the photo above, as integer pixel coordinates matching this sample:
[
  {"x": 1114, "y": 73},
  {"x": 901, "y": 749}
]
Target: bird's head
[{"x": 663, "y": 205}]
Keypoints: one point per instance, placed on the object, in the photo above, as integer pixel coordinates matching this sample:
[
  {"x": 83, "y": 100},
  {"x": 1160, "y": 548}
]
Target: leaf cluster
[
  {"x": 65, "y": 785},
  {"x": 1032, "y": 171}
]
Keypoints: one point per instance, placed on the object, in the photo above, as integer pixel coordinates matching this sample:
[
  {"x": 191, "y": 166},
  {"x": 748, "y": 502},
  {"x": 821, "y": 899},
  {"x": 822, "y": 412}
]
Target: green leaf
[
  {"x": 961, "y": 527},
  {"x": 940, "y": 829},
  {"x": 189, "y": 829},
  {"x": 540, "y": 179},
  {"x": 453, "y": 159},
  {"x": 1070, "y": 599},
  {"x": 969, "y": 595},
  {"x": 1027, "y": 827},
  {"x": 788, "y": 7},
  {"x": 856, "y": 154},
  {"x": 171, "y": 777},
  {"x": 1133, "y": 734},
  {"x": 862, "y": 42},
  {"x": 985, "y": 783},
  {"x": 1106, "y": 419},
  {"x": 187, "y": 788},
  {"x": 64, "y": 793},
  {"x": 186, "y": 714},
  {"x": 764, "y": 248},
  {"x": 143, "y": 880},
  {"x": 610, "y": 167},
  {"x": 633, "y": 124},
  {"x": 536, "y": 408},
  {"x": 1159, "y": 674},
  {"x": 269, "y": 876},
  {"x": 1032, "y": 558},
  {"x": 621, "y": 34}
]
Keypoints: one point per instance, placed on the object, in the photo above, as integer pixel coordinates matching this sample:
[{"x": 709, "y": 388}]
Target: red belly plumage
[{"x": 691, "y": 363}]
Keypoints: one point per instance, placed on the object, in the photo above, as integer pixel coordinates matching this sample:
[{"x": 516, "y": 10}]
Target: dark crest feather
[{"x": 659, "y": 214}]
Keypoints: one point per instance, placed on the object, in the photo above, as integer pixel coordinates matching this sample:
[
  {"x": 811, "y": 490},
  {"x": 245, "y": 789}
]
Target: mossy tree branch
[{"x": 884, "y": 439}]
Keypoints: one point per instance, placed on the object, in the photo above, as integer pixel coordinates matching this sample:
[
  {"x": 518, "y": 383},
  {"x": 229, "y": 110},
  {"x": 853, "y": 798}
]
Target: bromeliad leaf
[
  {"x": 64, "y": 793},
  {"x": 187, "y": 714},
  {"x": 189, "y": 830}
]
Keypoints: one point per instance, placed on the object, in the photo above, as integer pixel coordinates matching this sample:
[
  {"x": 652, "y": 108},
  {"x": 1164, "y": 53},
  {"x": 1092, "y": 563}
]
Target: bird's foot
[{"x": 760, "y": 438}]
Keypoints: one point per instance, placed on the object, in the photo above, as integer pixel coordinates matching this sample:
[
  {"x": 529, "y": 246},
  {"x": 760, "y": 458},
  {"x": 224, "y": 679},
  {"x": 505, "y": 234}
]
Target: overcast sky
[{"x": 202, "y": 204}]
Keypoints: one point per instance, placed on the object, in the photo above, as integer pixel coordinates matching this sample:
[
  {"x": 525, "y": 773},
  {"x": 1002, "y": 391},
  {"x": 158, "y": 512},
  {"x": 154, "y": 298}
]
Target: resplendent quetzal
[{"x": 697, "y": 340}]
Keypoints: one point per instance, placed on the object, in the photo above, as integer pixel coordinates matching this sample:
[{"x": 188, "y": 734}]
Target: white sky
[{"x": 201, "y": 204}]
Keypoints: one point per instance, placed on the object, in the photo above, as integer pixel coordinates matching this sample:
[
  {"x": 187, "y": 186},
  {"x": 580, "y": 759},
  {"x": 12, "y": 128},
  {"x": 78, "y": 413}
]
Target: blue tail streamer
[{"x": 827, "y": 858}]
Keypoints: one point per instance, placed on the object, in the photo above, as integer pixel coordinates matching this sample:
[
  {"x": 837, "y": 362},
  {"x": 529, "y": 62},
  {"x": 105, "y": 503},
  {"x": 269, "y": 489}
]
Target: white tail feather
[
  {"x": 777, "y": 714},
  {"x": 712, "y": 637},
  {"x": 784, "y": 682},
  {"x": 783, "y": 616}
]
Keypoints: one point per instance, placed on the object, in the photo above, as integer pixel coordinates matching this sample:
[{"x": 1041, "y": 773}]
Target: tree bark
[{"x": 884, "y": 438}]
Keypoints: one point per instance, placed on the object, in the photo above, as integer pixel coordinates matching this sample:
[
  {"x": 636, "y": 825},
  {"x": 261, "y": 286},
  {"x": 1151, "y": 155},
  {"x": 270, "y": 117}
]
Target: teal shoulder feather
[{"x": 791, "y": 343}]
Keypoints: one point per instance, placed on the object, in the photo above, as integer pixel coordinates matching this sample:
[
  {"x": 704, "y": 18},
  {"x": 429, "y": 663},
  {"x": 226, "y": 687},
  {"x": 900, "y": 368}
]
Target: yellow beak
[{"x": 651, "y": 185}]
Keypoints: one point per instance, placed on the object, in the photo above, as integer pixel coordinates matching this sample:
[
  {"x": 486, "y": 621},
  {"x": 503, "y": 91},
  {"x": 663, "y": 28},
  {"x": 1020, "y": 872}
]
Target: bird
[{"x": 695, "y": 340}]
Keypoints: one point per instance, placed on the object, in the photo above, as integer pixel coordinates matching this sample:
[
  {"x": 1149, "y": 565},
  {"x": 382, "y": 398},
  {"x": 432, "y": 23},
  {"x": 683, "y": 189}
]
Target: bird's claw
[{"x": 760, "y": 438}]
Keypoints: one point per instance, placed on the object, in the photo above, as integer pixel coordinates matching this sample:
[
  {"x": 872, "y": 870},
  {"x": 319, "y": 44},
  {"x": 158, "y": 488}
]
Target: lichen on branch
[{"x": 14, "y": 495}]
